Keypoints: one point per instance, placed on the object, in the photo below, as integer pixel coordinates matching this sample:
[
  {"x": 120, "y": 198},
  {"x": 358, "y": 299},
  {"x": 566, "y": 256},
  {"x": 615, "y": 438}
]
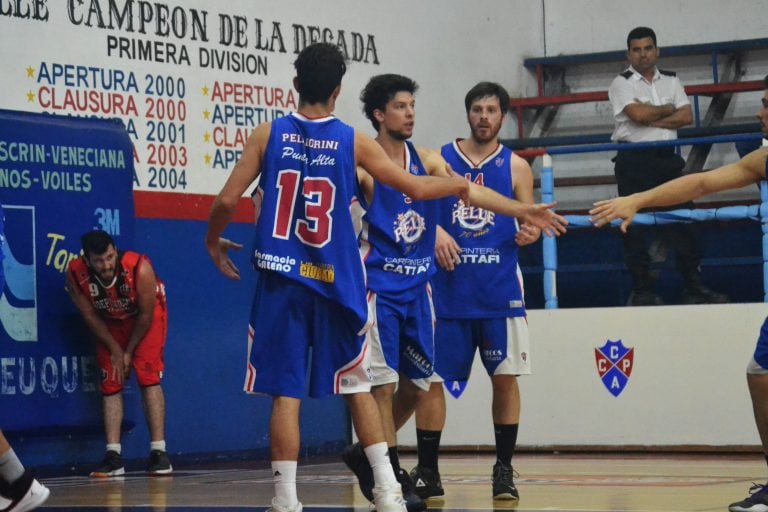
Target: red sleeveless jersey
[{"x": 119, "y": 300}]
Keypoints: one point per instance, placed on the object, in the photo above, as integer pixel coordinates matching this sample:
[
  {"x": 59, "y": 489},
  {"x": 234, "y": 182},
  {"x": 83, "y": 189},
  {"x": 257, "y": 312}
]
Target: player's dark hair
[
  {"x": 319, "y": 69},
  {"x": 641, "y": 33},
  {"x": 380, "y": 90},
  {"x": 96, "y": 242},
  {"x": 484, "y": 89},
  {"x": 765, "y": 80}
]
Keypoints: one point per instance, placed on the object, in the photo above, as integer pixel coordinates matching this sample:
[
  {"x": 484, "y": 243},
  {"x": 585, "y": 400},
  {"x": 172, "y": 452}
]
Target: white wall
[
  {"x": 687, "y": 387},
  {"x": 584, "y": 26},
  {"x": 446, "y": 46}
]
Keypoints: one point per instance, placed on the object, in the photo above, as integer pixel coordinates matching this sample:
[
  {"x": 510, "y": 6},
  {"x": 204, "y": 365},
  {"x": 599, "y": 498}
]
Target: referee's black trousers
[{"x": 642, "y": 169}]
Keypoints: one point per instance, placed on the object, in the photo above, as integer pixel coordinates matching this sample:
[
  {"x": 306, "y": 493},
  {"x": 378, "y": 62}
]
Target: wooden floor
[{"x": 561, "y": 483}]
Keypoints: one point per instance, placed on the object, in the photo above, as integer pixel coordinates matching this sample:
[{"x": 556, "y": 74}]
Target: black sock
[
  {"x": 394, "y": 459},
  {"x": 428, "y": 444},
  {"x": 506, "y": 440}
]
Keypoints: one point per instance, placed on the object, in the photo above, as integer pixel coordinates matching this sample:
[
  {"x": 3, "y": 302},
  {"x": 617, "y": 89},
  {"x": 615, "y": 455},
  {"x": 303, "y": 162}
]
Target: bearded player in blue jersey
[
  {"x": 478, "y": 289},
  {"x": 398, "y": 244},
  {"x": 311, "y": 286}
]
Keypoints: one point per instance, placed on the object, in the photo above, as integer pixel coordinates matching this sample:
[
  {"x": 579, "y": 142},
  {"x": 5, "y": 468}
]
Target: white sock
[
  {"x": 284, "y": 478},
  {"x": 11, "y": 468},
  {"x": 157, "y": 445},
  {"x": 115, "y": 447},
  {"x": 378, "y": 458}
]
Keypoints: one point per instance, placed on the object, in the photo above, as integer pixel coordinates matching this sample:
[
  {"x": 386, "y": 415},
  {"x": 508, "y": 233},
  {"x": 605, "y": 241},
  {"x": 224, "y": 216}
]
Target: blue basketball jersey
[
  {"x": 488, "y": 282},
  {"x": 310, "y": 216},
  {"x": 398, "y": 238}
]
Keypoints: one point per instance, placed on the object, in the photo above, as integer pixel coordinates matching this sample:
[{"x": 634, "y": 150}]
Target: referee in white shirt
[{"x": 649, "y": 105}]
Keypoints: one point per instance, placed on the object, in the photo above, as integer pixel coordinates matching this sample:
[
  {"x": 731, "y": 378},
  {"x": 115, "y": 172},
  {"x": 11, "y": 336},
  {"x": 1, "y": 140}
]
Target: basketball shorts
[
  {"x": 402, "y": 339},
  {"x": 759, "y": 363},
  {"x": 503, "y": 343},
  {"x": 147, "y": 358},
  {"x": 300, "y": 342}
]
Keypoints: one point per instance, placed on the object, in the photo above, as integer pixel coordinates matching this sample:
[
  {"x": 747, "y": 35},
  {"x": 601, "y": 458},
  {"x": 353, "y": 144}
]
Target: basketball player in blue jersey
[
  {"x": 311, "y": 286},
  {"x": 753, "y": 168},
  {"x": 398, "y": 246},
  {"x": 479, "y": 292}
]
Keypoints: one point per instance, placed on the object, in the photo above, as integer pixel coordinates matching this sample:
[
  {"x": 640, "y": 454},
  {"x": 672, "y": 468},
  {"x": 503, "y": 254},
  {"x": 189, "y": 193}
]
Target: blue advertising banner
[{"x": 60, "y": 176}]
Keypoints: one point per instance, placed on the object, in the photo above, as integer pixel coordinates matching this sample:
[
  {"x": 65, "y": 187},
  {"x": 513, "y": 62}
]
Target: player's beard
[
  {"x": 482, "y": 139},
  {"x": 106, "y": 275}
]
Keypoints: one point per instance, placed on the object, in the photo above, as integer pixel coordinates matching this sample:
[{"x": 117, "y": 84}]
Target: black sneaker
[
  {"x": 644, "y": 298},
  {"x": 111, "y": 465},
  {"x": 427, "y": 482},
  {"x": 159, "y": 463},
  {"x": 26, "y": 493},
  {"x": 757, "y": 501},
  {"x": 413, "y": 501},
  {"x": 703, "y": 295},
  {"x": 355, "y": 459},
  {"x": 504, "y": 483}
]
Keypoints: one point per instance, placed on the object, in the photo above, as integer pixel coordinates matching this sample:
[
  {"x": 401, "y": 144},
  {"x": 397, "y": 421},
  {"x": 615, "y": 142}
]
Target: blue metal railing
[{"x": 549, "y": 246}]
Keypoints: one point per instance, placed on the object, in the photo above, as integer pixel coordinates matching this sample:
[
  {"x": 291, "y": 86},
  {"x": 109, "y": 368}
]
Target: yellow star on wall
[
  {"x": 30, "y": 97},
  {"x": 206, "y": 114},
  {"x": 207, "y": 159},
  {"x": 30, "y": 71},
  {"x": 205, "y": 90},
  {"x": 207, "y": 137}
]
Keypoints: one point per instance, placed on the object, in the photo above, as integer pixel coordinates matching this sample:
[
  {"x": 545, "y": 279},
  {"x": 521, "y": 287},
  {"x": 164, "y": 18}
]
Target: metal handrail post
[{"x": 549, "y": 243}]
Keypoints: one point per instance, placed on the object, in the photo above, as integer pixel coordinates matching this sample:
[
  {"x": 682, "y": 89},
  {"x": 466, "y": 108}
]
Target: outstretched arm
[
  {"x": 538, "y": 215},
  {"x": 371, "y": 157},
  {"x": 748, "y": 170}
]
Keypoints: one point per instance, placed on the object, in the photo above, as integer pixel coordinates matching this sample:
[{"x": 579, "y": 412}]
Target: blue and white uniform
[
  {"x": 759, "y": 362},
  {"x": 311, "y": 286},
  {"x": 480, "y": 303},
  {"x": 398, "y": 242}
]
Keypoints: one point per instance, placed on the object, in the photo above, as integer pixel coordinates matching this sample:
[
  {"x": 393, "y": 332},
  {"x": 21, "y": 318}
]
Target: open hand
[
  {"x": 617, "y": 208},
  {"x": 218, "y": 252},
  {"x": 542, "y": 216}
]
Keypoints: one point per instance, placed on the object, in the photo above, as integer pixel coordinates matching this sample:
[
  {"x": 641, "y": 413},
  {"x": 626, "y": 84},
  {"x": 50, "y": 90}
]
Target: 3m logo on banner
[{"x": 614, "y": 365}]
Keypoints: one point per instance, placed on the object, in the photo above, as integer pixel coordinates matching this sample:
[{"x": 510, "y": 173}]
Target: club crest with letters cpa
[{"x": 614, "y": 365}]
